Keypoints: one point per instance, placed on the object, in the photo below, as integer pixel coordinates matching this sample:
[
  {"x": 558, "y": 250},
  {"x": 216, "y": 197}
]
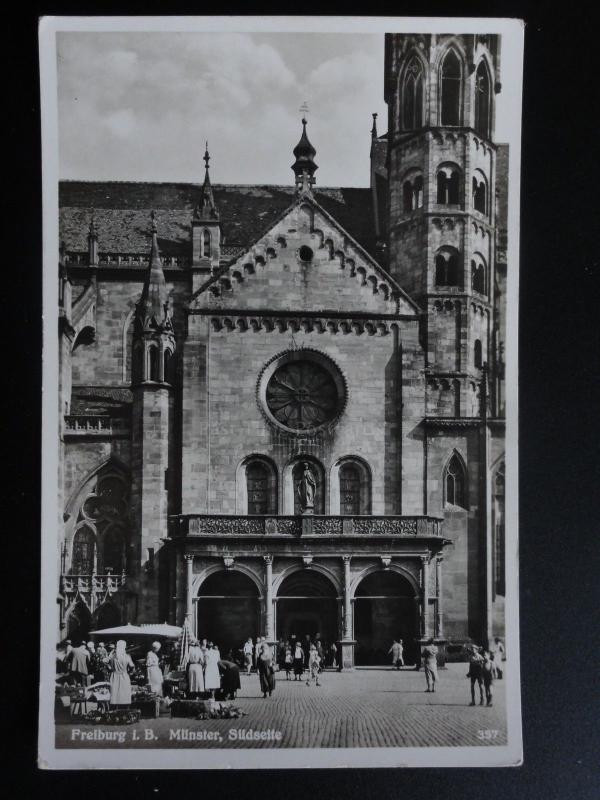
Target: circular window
[
  {"x": 302, "y": 391},
  {"x": 305, "y": 253}
]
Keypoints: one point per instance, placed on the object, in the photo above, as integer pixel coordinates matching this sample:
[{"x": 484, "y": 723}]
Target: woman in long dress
[
  {"x": 195, "y": 669},
  {"x": 120, "y": 685},
  {"x": 155, "y": 676},
  {"x": 212, "y": 679},
  {"x": 266, "y": 671}
]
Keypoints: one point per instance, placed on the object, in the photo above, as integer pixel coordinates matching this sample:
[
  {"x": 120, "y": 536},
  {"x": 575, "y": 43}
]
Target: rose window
[{"x": 302, "y": 392}]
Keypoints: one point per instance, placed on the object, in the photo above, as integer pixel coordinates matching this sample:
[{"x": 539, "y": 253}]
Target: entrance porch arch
[
  {"x": 308, "y": 605},
  {"x": 228, "y": 609},
  {"x": 386, "y": 607}
]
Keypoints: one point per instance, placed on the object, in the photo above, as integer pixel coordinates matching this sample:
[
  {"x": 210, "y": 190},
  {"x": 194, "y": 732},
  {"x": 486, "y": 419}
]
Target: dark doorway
[
  {"x": 107, "y": 615},
  {"x": 306, "y": 606},
  {"x": 385, "y": 608},
  {"x": 79, "y": 623},
  {"x": 228, "y": 610}
]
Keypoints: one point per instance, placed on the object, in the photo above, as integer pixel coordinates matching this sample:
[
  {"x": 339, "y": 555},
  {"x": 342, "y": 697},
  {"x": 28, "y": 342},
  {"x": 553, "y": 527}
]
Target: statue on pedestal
[{"x": 307, "y": 487}]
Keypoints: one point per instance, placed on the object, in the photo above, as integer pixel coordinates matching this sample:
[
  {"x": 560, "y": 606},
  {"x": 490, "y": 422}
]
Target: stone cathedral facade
[{"x": 219, "y": 343}]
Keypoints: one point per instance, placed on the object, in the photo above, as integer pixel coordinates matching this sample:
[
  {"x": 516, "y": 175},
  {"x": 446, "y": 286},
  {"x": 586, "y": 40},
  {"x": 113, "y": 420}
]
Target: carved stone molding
[{"x": 228, "y": 562}]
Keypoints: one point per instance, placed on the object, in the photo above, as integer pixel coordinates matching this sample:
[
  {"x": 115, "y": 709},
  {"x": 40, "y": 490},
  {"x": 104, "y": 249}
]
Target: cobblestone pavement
[{"x": 364, "y": 708}]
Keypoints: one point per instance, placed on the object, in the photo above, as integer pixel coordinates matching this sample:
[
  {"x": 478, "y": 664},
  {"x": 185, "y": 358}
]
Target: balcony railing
[
  {"x": 309, "y": 525},
  {"x": 81, "y": 259},
  {"x": 92, "y": 583},
  {"x": 95, "y": 425}
]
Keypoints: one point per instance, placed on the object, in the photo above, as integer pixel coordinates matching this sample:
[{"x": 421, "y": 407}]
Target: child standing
[
  {"x": 487, "y": 674},
  {"x": 288, "y": 663},
  {"x": 314, "y": 662}
]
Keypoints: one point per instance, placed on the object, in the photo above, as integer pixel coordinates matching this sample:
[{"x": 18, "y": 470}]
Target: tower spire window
[{"x": 451, "y": 89}]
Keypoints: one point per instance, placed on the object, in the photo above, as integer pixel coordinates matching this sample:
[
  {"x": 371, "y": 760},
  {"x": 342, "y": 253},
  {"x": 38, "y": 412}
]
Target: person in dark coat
[
  {"x": 266, "y": 670},
  {"x": 298, "y": 661},
  {"x": 230, "y": 679},
  {"x": 475, "y": 673}
]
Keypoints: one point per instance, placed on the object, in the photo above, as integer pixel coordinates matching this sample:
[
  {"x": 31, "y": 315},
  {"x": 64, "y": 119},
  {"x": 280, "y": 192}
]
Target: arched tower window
[
  {"x": 412, "y": 192},
  {"x": 206, "y": 243},
  {"x": 349, "y": 489},
  {"x": 499, "y": 534},
  {"x": 448, "y": 185},
  {"x": 482, "y": 101},
  {"x": 479, "y": 192},
  {"x": 412, "y": 96},
  {"x": 477, "y": 354},
  {"x": 478, "y": 276},
  {"x": 446, "y": 268},
  {"x": 84, "y": 551},
  {"x": 455, "y": 482},
  {"x": 451, "y": 89}
]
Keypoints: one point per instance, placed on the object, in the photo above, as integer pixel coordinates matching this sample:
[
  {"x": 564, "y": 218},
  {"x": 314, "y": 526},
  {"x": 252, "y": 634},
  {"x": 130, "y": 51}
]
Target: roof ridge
[{"x": 287, "y": 186}]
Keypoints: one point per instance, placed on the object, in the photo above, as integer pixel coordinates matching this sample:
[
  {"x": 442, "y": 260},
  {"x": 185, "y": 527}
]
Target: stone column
[
  {"x": 346, "y": 644},
  {"x": 270, "y": 628},
  {"x": 347, "y": 600},
  {"x": 438, "y": 582},
  {"x": 425, "y": 593},
  {"x": 189, "y": 604}
]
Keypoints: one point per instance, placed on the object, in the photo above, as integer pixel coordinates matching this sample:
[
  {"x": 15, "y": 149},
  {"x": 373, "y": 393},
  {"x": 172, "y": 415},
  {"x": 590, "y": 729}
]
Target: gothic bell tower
[{"x": 441, "y": 161}]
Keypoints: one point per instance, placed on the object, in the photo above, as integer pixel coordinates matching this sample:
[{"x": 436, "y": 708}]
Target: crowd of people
[{"x": 300, "y": 660}]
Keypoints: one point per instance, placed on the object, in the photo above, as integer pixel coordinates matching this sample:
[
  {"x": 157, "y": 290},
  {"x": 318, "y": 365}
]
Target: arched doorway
[
  {"x": 79, "y": 622},
  {"x": 306, "y": 606},
  {"x": 107, "y": 615},
  {"x": 385, "y": 608},
  {"x": 228, "y": 610}
]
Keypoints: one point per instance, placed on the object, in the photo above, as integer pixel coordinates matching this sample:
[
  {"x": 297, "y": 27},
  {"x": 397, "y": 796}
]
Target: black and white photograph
[{"x": 281, "y": 264}]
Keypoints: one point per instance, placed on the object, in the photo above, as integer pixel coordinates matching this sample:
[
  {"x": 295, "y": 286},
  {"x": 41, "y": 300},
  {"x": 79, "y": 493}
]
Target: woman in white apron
[
  {"x": 120, "y": 685},
  {"x": 195, "y": 669},
  {"x": 155, "y": 676},
  {"x": 212, "y": 678}
]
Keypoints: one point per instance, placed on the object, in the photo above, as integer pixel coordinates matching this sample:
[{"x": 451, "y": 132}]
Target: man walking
[
  {"x": 430, "y": 652},
  {"x": 475, "y": 673}
]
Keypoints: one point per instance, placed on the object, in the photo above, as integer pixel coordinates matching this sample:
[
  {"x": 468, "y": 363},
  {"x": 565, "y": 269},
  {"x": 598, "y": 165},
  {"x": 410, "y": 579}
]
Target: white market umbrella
[
  {"x": 119, "y": 630},
  {"x": 169, "y": 631}
]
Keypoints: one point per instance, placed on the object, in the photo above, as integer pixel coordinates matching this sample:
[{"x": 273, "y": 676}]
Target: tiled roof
[
  {"x": 110, "y": 400},
  {"x": 122, "y": 213}
]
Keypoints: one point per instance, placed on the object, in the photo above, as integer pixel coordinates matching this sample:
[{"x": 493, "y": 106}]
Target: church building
[{"x": 282, "y": 407}]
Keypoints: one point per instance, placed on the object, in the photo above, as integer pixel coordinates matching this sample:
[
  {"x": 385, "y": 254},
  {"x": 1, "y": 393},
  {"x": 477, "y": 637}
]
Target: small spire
[
  {"x": 374, "y": 128},
  {"x": 92, "y": 241},
  {"x": 92, "y": 227},
  {"x": 304, "y": 166},
  {"x": 206, "y": 208},
  {"x": 153, "y": 304}
]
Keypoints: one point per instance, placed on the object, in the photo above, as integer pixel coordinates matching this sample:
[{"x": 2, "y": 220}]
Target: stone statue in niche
[{"x": 307, "y": 487}]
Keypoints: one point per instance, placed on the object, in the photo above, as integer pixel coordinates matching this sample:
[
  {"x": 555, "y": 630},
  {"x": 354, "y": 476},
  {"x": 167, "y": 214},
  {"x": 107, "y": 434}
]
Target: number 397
[{"x": 487, "y": 734}]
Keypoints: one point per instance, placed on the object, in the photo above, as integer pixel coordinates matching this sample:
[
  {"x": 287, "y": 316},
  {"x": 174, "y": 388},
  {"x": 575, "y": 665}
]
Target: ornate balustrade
[
  {"x": 92, "y": 583},
  {"x": 95, "y": 425},
  {"x": 313, "y": 525},
  {"x": 81, "y": 259}
]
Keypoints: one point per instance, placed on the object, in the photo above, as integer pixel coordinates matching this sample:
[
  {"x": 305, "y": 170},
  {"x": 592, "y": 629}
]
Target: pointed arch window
[
  {"x": 451, "y": 89},
  {"x": 455, "y": 483},
  {"x": 412, "y": 96},
  {"x": 168, "y": 366},
  {"x": 482, "y": 101},
  {"x": 113, "y": 546},
  {"x": 153, "y": 373},
  {"x": 84, "y": 551},
  {"x": 477, "y": 354},
  {"x": 206, "y": 243}
]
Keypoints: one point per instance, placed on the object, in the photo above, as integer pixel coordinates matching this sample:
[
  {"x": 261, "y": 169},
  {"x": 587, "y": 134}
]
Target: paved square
[{"x": 363, "y": 708}]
